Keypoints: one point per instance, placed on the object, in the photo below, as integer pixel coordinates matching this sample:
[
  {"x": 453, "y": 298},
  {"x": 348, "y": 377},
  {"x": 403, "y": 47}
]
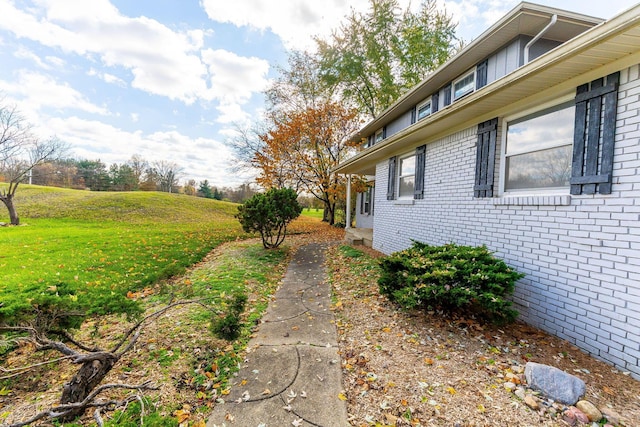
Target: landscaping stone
[
  {"x": 612, "y": 416},
  {"x": 554, "y": 383},
  {"x": 574, "y": 416},
  {"x": 531, "y": 402},
  {"x": 589, "y": 410}
]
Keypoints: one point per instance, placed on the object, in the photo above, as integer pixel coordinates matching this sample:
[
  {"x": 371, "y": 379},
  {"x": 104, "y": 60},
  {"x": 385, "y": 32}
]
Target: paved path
[{"x": 291, "y": 374}]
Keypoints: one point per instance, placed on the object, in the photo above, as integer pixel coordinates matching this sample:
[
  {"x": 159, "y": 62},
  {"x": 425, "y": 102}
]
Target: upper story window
[
  {"x": 464, "y": 85},
  {"x": 538, "y": 149},
  {"x": 406, "y": 176},
  {"x": 379, "y": 136},
  {"x": 423, "y": 109}
]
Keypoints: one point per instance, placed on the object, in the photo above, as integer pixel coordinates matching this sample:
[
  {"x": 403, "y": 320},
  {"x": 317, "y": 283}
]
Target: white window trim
[
  {"x": 464, "y": 76},
  {"x": 370, "y": 192},
  {"x": 420, "y": 106},
  {"x": 375, "y": 136},
  {"x": 503, "y": 151},
  {"x": 398, "y": 176}
]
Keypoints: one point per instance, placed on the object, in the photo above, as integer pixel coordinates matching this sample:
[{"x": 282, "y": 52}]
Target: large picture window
[
  {"x": 406, "y": 176},
  {"x": 538, "y": 152}
]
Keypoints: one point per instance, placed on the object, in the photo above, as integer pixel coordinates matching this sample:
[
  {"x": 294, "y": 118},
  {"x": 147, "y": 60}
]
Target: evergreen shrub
[
  {"x": 229, "y": 326},
  {"x": 450, "y": 278}
]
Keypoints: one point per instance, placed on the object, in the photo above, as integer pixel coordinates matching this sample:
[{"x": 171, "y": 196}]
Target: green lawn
[
  {"x": 115, "y": 242},
  {"x": 98, "y": 252},
  {"x": 313, "y": 213}
]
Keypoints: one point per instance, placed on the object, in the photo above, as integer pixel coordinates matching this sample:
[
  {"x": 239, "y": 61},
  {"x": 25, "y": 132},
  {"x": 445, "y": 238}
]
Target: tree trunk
[
  {"x": 329, "y": 214},
  {"x": 90, "y": 374},
  {"x": 14, "y": 219}
]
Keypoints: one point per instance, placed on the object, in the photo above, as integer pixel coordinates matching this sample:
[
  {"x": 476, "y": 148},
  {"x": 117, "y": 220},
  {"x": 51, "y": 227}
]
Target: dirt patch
[{"x": 429, "y": 369}]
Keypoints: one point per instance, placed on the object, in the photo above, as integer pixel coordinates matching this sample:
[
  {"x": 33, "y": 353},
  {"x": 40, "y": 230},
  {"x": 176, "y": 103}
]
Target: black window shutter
[
  {"x": 418, "y": 189},
  {"x": 362, "y": 196},
  {"x": 481, "y": 74},
  {"x": 413, "y": 115},
  {"x": 391, "y": 182},
  {"x": 594, "y": 136},
  {"x": 384, "y": 132},
  {"x": 485, "y": 158},
  {"x": 447, "y": 95},
  {"x": 434, "y": 102}
]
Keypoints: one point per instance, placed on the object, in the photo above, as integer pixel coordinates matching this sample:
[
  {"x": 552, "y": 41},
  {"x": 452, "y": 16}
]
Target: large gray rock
[{"x": 554, "y": 383}]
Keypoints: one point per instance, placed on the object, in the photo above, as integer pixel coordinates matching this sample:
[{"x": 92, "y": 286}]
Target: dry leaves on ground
[{"x": 426, "y": 369}]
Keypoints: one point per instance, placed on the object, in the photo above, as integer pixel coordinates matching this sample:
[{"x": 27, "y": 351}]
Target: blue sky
[{"x": 168, "y": 79}]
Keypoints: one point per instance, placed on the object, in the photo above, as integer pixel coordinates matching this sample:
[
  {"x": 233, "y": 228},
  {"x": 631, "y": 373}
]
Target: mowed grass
[
  {"x": 313, "y": 213},
  {"x": 117, "y": 241}
]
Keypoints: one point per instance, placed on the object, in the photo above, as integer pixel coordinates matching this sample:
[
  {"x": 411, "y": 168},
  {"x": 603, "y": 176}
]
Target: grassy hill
[
  {"x": 104, "y": 242},
  {"x": 134, "y": 207}
]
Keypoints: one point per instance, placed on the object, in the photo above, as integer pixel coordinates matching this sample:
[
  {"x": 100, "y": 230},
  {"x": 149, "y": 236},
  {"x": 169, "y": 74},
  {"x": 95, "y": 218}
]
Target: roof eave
[{"x": 603, "y": 49}]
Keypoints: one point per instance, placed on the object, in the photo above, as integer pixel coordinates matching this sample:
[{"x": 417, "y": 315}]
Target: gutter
[{"x": 553, "y": 21}]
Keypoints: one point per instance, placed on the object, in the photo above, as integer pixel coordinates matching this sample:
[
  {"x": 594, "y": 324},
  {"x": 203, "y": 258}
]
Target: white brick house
[{"x": 527, "y": 141}]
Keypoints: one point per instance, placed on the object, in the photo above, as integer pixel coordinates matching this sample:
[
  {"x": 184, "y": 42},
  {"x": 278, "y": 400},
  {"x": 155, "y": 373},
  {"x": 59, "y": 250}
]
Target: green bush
[
  {"x": 451, "y": 278},
  {"x": 269, "y": 213},
  {"x": 228, "y": 327}
]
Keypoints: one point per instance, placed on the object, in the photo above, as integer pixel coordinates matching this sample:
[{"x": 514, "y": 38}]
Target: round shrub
[{"x": 450, "y": 278}]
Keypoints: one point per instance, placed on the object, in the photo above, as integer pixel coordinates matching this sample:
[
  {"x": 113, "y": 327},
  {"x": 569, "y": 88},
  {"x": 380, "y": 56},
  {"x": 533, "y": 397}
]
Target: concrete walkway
[{"x": 291, "y": 375}]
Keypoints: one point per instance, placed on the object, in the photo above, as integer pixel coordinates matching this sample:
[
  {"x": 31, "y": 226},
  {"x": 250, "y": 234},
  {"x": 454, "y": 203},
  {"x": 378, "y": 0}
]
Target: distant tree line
[{"x": 136, "y": 174}]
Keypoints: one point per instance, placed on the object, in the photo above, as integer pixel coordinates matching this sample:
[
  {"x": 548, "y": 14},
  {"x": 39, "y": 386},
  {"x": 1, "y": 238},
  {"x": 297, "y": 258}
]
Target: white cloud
[
  {"x": 162, "y": 61},
  {"x": 24, "y": 53},
  {"x": 107, "y": 77},
  {"x": 231, "y": 113},
  {"x": 294, "y": 21},
  {"x": 202, "y": 158},
  {"x": 235, "y": 78},
  {"x": 39, "y": 91}
]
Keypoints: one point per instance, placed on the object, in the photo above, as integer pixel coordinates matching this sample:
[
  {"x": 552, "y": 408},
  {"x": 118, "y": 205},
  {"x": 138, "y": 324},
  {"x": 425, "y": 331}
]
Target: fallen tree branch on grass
[
  {"x": 80, "y": 392},
  {"x": 61, "y": 411}
]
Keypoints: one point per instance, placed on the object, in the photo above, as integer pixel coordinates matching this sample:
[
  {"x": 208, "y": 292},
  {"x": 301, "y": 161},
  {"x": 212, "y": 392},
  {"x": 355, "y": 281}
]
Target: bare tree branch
[
  {"x": 142, "y": 321},
  {"x": 23, "y": 369},
  {"x": 88, "y": 402}
]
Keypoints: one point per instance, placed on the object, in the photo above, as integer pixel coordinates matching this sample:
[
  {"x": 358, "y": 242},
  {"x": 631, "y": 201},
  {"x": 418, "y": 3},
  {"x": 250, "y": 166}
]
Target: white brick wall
[{"x": 580, "y": 254}]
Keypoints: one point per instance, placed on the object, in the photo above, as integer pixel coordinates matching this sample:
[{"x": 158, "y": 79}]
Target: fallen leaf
[
  {"x": 342, "y": 397},
  {"x": 182, "y": 415}
]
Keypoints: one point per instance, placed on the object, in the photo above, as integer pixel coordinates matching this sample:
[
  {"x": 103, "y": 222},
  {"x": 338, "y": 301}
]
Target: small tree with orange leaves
[{"x": 303, "y": 147}]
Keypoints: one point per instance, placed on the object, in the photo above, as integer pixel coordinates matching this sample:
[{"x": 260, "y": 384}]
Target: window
[
  {"x": 464, "y": 85},
  {"x": 423, "y": 109},
  {"x": 409, "y": 180},
  {"x": 406, "y": 176},
  {"x": 366, "y": 201},
  {"x": 538, "y": 150},
  {"x": 379, "y": 136}
]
